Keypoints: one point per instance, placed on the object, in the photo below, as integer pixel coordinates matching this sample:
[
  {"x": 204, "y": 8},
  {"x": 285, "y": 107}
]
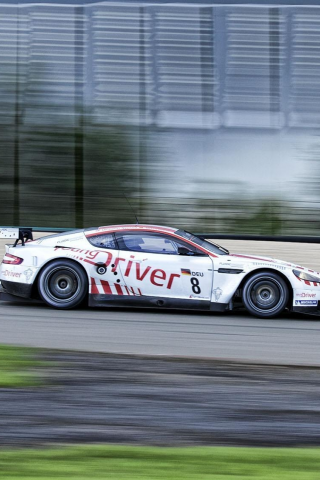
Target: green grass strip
[
  {"x": 16, "y": 364},
  {"x": 156, "y": 463}
]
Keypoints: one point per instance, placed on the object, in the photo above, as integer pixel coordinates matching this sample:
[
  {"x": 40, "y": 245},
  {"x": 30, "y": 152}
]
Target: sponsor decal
[
  {"x": 305, "y": 295},
  {"x": 132, "y": 291},
  {"x": 157, "y": 277},
  {"x": 28, "y": 273},
  {"x": 7, "y": 273},
  {"x": 217, "y": 292},
  {"x": 280, "y": 267},
  {"x": 185, "y": 271},
  {"x": 306, "y": 302},
  {"x": 131, "y": 267},
  {"x": 90, "y": 254},
  {"x": 70, "y": 239},
  {"x": 198, "y": 296},
  {"x": 195, "y": 285}
]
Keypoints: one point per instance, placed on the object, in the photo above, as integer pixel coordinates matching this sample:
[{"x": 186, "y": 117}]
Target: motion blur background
[{"x": 204, "y": 115}]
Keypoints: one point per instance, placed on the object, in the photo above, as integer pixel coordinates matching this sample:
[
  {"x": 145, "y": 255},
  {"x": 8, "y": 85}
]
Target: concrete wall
[{"x": 303, "y": 254}]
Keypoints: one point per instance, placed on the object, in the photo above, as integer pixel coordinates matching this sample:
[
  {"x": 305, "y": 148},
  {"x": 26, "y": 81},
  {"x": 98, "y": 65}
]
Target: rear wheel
[
  {"x": 265, "y": 294},
  {"x": 63, "y": 284}
]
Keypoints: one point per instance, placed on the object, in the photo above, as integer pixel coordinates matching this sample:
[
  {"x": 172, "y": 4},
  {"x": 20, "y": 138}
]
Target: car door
[
  {"x": 100, "y": 265},
  {"x": 151, "y": 266}
]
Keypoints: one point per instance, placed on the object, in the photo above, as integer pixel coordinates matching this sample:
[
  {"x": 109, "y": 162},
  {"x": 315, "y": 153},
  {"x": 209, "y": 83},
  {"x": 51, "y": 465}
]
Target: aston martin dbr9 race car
[{"x": 151, "y": 266}]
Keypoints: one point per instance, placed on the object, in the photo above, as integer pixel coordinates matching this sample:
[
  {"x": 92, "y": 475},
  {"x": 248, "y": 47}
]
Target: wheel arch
[
  {"x": 269, "y": 270},
  {"x": 34, "y": 291}
]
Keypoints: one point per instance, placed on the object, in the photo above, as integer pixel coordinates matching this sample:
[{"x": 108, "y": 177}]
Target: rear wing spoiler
[{"x": 23, "y": 234}]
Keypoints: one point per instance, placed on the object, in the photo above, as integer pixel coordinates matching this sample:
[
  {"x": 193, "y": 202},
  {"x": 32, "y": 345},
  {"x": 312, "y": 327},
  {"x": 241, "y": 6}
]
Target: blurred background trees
[{"x": 164, "y": 105}]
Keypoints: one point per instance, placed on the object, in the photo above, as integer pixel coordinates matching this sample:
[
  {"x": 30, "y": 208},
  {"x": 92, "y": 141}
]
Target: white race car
[{"x": 151, "y": 266}]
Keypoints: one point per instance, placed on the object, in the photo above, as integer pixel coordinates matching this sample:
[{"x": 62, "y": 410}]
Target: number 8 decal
[{"x": 195, "y": 285}]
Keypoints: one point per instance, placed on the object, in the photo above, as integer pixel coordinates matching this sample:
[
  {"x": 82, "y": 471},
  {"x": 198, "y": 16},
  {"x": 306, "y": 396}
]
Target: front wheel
[
  {"x": 63, "y": 284},
  {"x": 265, "y": 294}
]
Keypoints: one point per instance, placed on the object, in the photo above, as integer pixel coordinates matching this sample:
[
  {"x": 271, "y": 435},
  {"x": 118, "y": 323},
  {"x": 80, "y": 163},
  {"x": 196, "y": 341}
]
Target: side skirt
[{"x": 99, "y": 300}]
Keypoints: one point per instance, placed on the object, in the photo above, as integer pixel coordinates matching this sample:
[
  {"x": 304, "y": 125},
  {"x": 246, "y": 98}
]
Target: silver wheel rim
[
  {"x": 265, "y": 294},
  {"x": 62, "y": 284}
]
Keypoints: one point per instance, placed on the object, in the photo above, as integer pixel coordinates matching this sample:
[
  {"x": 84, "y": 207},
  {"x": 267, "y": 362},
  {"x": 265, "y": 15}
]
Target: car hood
[{"x": 238, "y": 259}]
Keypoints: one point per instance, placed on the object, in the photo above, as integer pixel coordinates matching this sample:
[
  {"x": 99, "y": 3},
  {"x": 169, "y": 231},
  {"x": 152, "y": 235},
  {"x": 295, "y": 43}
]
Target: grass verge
[
  {"x": 15, "y": 367},
  {"x": 152, "y": 463}
]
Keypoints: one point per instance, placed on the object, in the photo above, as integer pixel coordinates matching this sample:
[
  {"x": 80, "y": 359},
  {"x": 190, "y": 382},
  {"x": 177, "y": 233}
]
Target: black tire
[
  {"x": 265, "y": 294},
  {"x": 63, "y": 284}
]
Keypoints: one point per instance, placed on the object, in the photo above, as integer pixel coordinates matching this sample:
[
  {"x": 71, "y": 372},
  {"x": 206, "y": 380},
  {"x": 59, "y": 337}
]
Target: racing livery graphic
[{"x": 150, "y": 266}]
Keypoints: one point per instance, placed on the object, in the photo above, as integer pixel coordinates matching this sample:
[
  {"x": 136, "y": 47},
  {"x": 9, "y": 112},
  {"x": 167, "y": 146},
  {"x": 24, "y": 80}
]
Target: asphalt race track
[
  {"x": 94, "y": 397},
  {"x": 289, "y": 340},
  {"x": 144, "y": 398}
]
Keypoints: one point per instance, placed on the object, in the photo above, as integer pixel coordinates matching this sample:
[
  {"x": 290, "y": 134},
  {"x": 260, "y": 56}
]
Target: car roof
[{"x": 129, "y": 227}]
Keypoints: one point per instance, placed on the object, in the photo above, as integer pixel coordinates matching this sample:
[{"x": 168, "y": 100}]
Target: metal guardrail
[{"x": 210, "y": 236}]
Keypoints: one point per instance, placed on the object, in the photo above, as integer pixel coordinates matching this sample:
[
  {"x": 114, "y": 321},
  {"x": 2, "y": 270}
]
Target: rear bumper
[
  {"x": 15, "y": 289},
  {"x": 6, "y": 297}
]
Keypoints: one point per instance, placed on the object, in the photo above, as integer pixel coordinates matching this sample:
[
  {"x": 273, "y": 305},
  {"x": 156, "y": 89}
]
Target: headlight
[{"x": 306, "y": 276}]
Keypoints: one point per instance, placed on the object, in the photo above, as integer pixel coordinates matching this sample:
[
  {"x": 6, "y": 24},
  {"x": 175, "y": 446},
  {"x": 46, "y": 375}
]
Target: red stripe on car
[
  {"x": 120, "y": 228},
  {"x": 252, "y": 258},
  {"x": 94, "y": 288},
  {"x": 119, "y": 289},
  {"x": 106, "y": 287},
  {"x": 89, "y": 261}
]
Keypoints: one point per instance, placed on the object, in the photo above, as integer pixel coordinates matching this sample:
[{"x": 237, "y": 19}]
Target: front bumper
[{"x": 307, "y": 310}]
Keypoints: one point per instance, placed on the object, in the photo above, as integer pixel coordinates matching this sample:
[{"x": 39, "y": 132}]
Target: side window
[
  {"x": 106, "y": 240},
  {"x": 153, "y": 243},
  {"x": 145, "y": 242}
]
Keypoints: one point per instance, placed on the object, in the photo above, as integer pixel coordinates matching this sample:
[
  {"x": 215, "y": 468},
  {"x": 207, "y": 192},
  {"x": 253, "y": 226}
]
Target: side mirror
[{"x": 184, "y": 251}]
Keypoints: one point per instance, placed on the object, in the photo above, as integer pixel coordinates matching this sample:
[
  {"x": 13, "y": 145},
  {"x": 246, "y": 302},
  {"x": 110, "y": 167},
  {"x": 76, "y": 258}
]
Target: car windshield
[{"x": 212, "y": 247}]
